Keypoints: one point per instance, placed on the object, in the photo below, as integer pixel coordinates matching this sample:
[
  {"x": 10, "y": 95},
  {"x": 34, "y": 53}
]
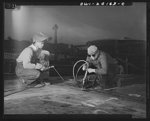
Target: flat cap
[{"x": 39, "y": 37}]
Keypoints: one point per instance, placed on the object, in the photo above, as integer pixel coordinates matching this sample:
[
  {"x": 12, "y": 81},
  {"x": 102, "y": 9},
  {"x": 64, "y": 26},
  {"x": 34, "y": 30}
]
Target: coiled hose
[{"x": 75, "y": 76}]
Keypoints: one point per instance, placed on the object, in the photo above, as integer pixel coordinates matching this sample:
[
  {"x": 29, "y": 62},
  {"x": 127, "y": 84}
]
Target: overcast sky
[{"x": 77, "y": 24}]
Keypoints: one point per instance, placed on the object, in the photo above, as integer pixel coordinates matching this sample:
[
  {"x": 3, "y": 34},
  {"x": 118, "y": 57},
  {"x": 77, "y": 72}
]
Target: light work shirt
[{"x": 26, "y": 56}]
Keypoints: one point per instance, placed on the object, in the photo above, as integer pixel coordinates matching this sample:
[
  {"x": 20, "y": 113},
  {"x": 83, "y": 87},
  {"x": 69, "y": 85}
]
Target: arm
[
  {"x": 45, "y": 52},
  {"x": 44, "y": 58},
  {"x": 103, "y": 69}
]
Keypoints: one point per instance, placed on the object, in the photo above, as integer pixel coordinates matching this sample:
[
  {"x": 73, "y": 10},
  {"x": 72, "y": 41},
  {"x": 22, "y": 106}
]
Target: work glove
[
  {"x": 85, "y": 66},
  {"x": 90, "y": 70},
  {"x": 38, "y": 66},
  {"x": 45, "y": 52},
  {"x": 43, "y": 68}
]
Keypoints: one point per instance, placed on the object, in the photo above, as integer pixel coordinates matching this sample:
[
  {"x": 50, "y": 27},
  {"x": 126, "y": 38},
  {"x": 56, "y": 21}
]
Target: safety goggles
[{"x": 93, "y": 55}]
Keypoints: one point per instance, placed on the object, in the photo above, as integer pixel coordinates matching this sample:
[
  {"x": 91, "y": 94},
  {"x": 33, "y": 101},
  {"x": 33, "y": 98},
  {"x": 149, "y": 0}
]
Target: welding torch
[{"x": 46, "y": 68}]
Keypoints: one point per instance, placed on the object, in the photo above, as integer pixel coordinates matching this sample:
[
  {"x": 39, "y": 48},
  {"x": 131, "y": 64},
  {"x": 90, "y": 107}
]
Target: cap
[
  {"x": 92, "y": 49},
  {"x": 39, "y": 37}
]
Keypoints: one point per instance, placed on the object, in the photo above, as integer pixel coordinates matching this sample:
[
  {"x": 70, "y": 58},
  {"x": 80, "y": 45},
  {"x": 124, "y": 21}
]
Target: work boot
[
  {"x": 47, "y": 83},
  {"x": 21, "y": 83},
  {"x": 42, "y": 84},
  {"x": 84, "y": 89},
  {"x": 98, "y": 88}
]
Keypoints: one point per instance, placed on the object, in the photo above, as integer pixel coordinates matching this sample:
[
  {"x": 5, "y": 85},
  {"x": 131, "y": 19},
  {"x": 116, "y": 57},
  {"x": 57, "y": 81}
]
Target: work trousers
[
  {"x": 30, "y": 75},
  {"x": 104, "y": 81}
]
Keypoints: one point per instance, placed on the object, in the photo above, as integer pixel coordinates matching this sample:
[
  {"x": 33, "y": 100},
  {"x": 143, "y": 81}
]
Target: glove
[
  {"x": 51, "y": 67},
  {"x": 38, "y": 66},
  {"x": 90, "y": 70},
  {"x": 85, "y": 66},
  {"x": 45, "y": 52},
  {"x": 43, "y": 68},
  {"x": 52, "y": 54}
]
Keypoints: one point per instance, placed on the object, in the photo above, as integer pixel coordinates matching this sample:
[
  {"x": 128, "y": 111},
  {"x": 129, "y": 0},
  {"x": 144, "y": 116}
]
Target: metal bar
[{"x": 59, "y": 74}]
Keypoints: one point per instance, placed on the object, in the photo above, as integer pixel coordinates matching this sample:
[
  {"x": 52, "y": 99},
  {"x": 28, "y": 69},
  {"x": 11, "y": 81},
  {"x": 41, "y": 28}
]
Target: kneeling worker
[
  {"x": 102, "y": 65},
  {"x": 28, "y": 68}
]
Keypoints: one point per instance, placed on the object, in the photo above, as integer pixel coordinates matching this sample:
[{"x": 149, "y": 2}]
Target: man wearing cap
[
  {"x": 28, "y": 68},
  {"x": 103, "y": 65}
]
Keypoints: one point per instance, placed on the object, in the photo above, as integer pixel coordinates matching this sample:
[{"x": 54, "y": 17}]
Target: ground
[{"x": 64, "y": 97}]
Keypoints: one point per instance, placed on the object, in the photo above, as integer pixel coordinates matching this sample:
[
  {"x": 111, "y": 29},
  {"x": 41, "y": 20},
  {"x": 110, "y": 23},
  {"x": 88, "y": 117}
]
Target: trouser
[
  {"x": 29, "y": 75},
  {"x": 105, "y": 81}
]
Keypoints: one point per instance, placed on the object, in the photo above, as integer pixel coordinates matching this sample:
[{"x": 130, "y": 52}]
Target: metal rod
[{"x": 59, "y": 74}]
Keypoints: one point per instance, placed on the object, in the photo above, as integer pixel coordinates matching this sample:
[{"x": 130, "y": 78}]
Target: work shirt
[
  {"x": 26, "y": 56},
  {"x": 104, "y": 64}
]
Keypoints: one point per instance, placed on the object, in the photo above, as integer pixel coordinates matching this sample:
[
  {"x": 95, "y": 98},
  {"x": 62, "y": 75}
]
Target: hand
[
  {"x": 90, "y": 70},
  {"x": 51, "y": 66},
  {"x": 52, "y": 54},
  {"x": 38, "y": 66},
  {"x": 85, "y": 66},
  {"x": 43, "y": 68},
  {"x": 45, "y": 52},
  {"x": 46, "y": 68}
]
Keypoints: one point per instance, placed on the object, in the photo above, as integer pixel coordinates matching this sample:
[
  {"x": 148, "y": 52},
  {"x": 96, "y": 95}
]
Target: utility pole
[{"x": 55, "y": 28}]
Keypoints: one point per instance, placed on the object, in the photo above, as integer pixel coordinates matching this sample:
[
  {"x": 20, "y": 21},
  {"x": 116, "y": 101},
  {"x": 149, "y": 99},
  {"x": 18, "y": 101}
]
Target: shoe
[
  {"x": 39, "y": 85},
  {"x": 98, "y": 88},
  {"x": 22, "y": 81},
  {"x": 84, "y": 89},
  {"x": 35, "y": 85},
  {"x": 31, "y": 85},
  {"x": 47, "y": 83}
]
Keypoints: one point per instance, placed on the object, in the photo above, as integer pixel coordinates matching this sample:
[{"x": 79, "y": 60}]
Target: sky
[{"x": 77, "y": 24}]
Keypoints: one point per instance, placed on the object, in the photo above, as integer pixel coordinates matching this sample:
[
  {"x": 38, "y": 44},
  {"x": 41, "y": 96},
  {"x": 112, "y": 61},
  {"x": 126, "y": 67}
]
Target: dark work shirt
[{"x": 104, "y": 64}]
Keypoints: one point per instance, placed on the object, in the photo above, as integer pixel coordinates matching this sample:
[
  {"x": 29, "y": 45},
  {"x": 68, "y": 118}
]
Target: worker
[
  {"x": 102, "y": 65},
  {"x": 31, "y": 65}
]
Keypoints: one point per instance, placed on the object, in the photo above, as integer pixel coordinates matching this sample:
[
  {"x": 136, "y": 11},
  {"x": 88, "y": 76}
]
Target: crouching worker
[
  {"x": 31, "y": 66},
  {"x": 102, "y": 66}
]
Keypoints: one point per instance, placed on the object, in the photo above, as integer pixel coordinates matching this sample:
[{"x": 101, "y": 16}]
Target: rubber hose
[
  {"x": 79, "y": 70},
  {"x": 80, "y": 67}
]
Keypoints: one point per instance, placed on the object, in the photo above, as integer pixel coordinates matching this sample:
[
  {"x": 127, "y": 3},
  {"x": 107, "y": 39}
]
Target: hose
[
  {"x": 74, "y": 68},
  {"x": 79, "y": 70},
  {"x": 74, "y": 77}
]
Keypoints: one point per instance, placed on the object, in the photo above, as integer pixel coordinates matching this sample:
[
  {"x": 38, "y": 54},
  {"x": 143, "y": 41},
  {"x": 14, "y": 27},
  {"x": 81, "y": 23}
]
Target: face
[
  {"x": 40, "y": 45},
  {"x": 94, "y": 56}
]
